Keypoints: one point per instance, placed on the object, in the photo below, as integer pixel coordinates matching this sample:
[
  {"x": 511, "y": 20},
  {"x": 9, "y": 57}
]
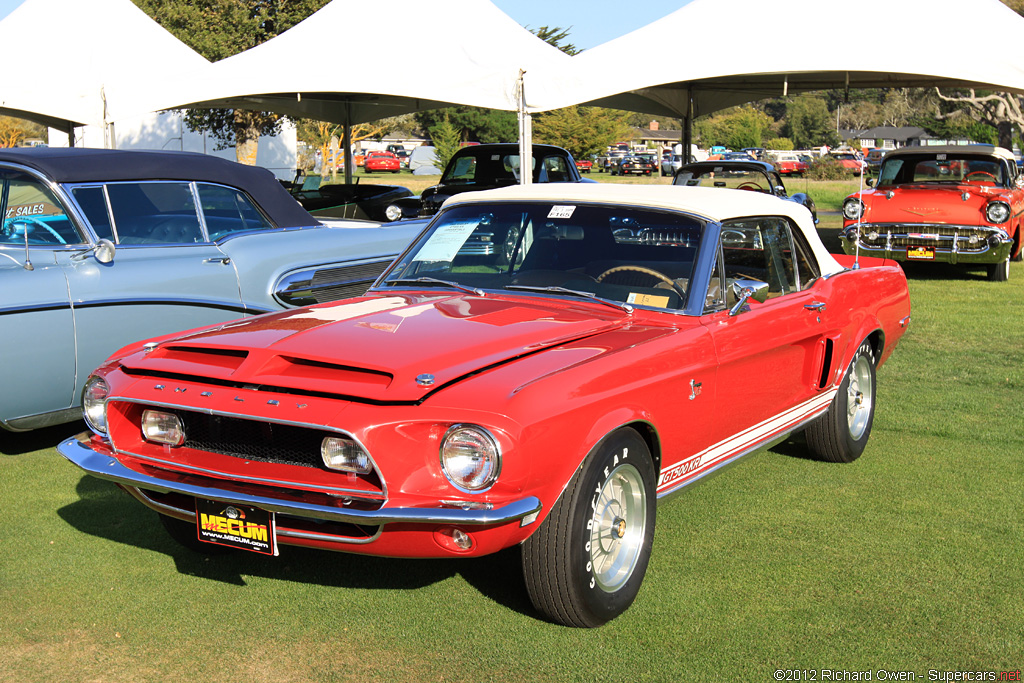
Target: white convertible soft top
[{"x": 712, "y": 203}]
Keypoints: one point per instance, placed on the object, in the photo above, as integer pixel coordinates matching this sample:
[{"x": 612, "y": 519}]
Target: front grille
[
  {"x": 253, "y": 440},
  {"x": 940, "y": 236}
]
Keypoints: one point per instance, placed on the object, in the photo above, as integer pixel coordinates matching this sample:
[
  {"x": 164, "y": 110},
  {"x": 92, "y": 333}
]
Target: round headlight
[
  {"x": 393, "y": 212},
  {"x": 94, "y": 404},
  {"x": 470, "y": 457},
  {"x": 853, "y": 208},
  {"x": 997, "y": 212}
]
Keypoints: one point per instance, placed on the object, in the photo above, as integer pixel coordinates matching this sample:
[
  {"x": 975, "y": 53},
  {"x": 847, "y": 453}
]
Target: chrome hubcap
[
  {"x": 860, "y": 397},
  {"x": 620, "y": 520}
]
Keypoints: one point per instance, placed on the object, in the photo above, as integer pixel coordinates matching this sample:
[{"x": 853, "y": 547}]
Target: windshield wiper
[
  {"x": 435, "y": 281},
  {"x": 573, "y": 292}
]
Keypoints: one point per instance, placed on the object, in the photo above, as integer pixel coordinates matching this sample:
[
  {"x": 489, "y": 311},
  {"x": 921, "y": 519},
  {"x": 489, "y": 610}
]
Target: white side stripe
[{"x": 696, "y": 465}]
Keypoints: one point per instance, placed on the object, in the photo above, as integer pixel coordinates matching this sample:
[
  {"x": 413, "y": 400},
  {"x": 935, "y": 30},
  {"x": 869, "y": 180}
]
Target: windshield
[
  {"x": 489, "y": 168},
  {"x": 625, "y": 255},
  {"x": 735, "y": 178},
  {"x": 942, "y": 168}
]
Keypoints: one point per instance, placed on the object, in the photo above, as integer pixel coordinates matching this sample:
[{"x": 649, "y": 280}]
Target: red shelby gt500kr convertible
[{"x": 622, "y": 343}]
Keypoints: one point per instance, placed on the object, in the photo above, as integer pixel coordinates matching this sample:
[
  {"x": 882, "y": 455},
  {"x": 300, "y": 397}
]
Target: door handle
[
  {"x": 223, "y": 260},
  {"x": 818, "y": 306}
]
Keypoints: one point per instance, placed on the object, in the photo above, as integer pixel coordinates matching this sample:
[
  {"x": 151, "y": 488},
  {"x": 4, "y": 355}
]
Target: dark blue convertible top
[{"x": 80, "y": 165}]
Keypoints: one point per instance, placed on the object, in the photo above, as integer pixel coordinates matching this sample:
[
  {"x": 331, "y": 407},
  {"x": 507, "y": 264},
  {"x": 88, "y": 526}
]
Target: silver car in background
[{"x": 101, "y": 248}]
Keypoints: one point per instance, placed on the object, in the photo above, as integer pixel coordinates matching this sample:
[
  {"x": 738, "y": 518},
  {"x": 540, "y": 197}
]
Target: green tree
[
  {"x": 781, "y": 144},
  {"x": 447, "y": 139},
  {"x": 555, "y": 35},
  {"x": 581, "y": 130},
  {"x": 477, "y": 125},
  {"x": 809, "y": 123},
  {"x": 220, "y": 28},
  {"x": 735, "y": 128}
]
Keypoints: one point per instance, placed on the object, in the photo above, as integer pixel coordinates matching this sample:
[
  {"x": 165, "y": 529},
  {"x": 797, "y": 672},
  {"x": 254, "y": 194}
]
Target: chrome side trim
[{"x": 106, "y": 467}]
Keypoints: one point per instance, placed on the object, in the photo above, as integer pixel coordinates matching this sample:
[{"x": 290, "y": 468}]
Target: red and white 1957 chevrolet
[{"x": 618, "y": 344}]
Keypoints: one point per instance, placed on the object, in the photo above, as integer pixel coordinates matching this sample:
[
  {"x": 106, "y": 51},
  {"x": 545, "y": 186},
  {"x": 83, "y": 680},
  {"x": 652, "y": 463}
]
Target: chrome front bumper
[
  {"x": 109, "y": 468},
  {"x": 952, "y": 243}
]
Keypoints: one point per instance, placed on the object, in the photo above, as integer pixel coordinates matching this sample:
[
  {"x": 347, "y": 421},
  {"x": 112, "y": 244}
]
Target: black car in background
[
  {"x": 640, "y": 165},
  {"x": 756, "y": 176},
  {"x": 369, "y": 202},
  {"x": 485, "y": 167}
]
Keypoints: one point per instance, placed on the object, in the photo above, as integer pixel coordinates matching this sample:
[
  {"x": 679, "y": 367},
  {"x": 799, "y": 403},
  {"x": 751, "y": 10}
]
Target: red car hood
[
  {"x": 929, "y": 204},
  {"x": 375, "y": 347}
]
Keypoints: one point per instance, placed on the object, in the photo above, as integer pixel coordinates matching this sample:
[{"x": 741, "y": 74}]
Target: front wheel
[
  {"x": 584, "y": 565},
  {"x": 841, "y": 434},
  {"x": 999, "y": 272}
]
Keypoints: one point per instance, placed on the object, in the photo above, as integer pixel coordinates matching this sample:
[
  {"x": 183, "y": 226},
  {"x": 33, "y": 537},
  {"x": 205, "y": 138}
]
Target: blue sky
[{"x": 593, "y": 21}]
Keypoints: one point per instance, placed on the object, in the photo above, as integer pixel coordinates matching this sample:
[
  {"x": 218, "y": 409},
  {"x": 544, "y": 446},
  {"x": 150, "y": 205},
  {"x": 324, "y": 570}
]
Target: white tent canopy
[
  {"x": 720, "y": 53},
  {"x": 70, "y": 51},
  {"x": 461, "y": 52}
]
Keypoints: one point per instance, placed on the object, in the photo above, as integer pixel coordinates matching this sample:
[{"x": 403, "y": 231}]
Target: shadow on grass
[
  {"x": 104, "y": 511},
  {"x": 19, "y": 443}
]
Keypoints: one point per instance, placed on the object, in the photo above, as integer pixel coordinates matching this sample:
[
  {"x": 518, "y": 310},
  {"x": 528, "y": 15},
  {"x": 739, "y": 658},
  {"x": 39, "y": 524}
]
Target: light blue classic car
[{"x": 100, "y": 248}]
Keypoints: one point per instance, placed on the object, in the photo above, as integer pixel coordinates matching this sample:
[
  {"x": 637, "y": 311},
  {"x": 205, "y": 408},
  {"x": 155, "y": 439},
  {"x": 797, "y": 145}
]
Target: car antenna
[{"x": 860, "y": 222}]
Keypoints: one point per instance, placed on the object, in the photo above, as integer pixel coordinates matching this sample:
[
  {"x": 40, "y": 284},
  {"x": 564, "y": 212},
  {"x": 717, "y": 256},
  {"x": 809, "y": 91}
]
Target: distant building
[{"x": 891, "y": 137}]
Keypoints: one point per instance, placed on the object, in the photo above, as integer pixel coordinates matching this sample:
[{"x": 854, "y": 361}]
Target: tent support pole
[
  {"x": 525, "y": 135},
  {"x": 687, "y": 126},
  {"x": 71, "y": 134},
  {"x": 346, "y": 145}
]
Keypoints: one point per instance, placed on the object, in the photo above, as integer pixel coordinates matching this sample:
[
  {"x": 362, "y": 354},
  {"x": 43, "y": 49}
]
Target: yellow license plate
[{"x": 922, "y": 253}]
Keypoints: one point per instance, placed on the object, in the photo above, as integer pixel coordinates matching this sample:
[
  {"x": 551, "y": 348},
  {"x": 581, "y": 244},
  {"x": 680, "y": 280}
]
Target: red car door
[{"x": 774, "y": 358}]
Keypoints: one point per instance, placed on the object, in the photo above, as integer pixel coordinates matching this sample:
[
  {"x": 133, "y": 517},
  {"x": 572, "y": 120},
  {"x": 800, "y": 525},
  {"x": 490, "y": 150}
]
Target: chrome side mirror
[
  {"x": 870, "y": 182},
  {"x": 103, "y": 250},
  {"x": 744, "y": 290}
]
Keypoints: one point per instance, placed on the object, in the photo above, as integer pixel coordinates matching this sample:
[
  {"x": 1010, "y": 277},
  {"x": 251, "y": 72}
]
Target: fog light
[
  {"x": 161, "y": 427},
  {"x": 973, "y": 239},
  {"x": 345, "y": 455},
  {"x": 453, "y": 539}
]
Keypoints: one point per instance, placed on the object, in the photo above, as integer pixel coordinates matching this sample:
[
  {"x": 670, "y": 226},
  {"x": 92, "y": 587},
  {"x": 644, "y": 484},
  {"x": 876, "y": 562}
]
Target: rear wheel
[
  {"x": 584, "y": 565},
  {"x": 841, "y": 434}
]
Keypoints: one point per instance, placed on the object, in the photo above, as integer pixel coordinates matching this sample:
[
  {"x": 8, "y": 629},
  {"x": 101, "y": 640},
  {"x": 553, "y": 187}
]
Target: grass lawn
[{"x": 909, "y": 559}]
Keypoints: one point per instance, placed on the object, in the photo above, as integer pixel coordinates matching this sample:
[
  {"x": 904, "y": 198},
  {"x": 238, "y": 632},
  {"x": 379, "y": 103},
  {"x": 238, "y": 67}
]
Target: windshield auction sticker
[
  {"x": 236, "y": 526},
  {"x": 558, "y": 211},
  {"x": 446, "y": 241}
]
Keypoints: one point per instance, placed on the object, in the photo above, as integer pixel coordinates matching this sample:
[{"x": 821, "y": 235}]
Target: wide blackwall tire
[
  {"x": 585, "y": 564},
  {"x": 841, "y": 434}
]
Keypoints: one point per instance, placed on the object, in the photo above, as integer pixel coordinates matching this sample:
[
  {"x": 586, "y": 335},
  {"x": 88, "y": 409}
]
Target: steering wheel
[
  {"x": 646, "y": 271},
  {"x": 990, "y": 175},
  {"x": 29, "y": 220},
  {"x": 750, "y": 186}
]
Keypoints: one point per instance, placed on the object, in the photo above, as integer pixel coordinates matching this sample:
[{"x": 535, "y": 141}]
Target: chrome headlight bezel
[
  {"x": 470, "y": 458},
  {"x": 853, "y": 208},
  {"x": 997, "y": 212},
  {"x": 94, "y": 404}
]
